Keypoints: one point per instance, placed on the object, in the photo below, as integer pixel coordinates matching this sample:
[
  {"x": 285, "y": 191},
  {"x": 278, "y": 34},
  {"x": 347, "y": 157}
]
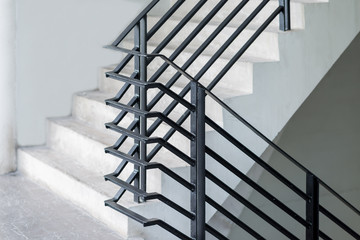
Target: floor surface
[{"x": 30, "y": 211}]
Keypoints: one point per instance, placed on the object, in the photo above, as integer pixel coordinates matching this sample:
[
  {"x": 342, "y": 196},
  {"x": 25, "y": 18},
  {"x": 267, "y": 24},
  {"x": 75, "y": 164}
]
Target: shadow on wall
[{"x": 324, "y": 135}]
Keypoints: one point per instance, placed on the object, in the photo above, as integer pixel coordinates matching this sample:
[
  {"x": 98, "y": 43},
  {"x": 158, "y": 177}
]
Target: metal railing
[{"x": 141, "y": 156}]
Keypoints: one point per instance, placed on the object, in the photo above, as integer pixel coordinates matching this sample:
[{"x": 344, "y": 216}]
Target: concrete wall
[
  {"x": 324, "y": 135},
  {"x": 7, "y": 86},
  {"x": 59, "y": 52}
]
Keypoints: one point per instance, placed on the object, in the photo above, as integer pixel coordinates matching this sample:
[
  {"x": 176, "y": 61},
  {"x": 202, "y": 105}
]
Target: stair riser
[
  {"x": 297, "y": 13},
  {"x": 239, "y": 78},
  {"x": 237, "y": 81},
  {"x": 92, "y": 201},
  {"x": 73, "y": 190},
  {"x": 90, "y": 153},
  {"x": 96, "y": 113},
  {"x": 266, "y": 46}
]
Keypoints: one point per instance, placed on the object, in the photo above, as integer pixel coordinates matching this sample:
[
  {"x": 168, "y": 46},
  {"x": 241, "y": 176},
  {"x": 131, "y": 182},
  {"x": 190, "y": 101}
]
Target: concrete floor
[{"x": 29, "y": 211}]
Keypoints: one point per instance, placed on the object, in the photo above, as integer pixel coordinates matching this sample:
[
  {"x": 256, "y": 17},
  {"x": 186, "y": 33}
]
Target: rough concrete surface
[{"x": 29, "y": 211}]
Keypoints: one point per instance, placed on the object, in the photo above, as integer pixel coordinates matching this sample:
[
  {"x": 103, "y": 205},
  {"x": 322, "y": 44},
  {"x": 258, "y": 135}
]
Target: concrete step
[
  {"x": 265, "y": 48},
  {"x": 90, "y": 144},
  {"x": 297, "y": 13},
  {"x": 238, "y": 80},
  {"x": 90, "y": 107},
  {"x": 71, "y": 181},
  {"x": 63, "y": 175}
]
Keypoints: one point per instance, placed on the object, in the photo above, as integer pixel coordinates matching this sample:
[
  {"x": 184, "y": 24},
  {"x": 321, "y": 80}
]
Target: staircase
[{"x": 73, "y": 162}]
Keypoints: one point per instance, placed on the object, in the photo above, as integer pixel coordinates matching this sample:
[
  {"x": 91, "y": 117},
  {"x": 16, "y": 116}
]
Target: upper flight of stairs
[{"x": 72, "y": 163}]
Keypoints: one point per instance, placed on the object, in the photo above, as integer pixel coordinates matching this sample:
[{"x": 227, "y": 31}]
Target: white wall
[
  {"x": 7, "y": 86},
  {"x": 59, "y": 52},
  {"x": 324, "y": 135}
]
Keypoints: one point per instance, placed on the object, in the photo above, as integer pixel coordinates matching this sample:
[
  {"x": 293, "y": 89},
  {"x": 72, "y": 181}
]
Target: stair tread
[
  {"x": 84, "y": 129},
  {"x": 69, "y": 166},
  {"x": 107, "y": 140},
  {"x": 100, "y": 96},
  {"x": 250, "y": 58},
  {"x": 222, "y": 91}
]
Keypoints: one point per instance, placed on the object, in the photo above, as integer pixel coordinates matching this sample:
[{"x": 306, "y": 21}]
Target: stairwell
[{"x": 73, "y": 163}]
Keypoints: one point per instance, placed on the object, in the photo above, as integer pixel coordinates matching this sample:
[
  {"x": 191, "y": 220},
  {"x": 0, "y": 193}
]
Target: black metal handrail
[
  {"x": 138, "y": 106},
  {"x": 312, "y": 182}
]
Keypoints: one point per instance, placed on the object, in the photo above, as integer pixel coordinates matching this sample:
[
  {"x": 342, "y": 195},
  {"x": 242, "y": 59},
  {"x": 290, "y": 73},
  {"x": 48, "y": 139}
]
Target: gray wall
[
  {"x": 324, "y": 135},
  {"x": 59, "y": 52}
]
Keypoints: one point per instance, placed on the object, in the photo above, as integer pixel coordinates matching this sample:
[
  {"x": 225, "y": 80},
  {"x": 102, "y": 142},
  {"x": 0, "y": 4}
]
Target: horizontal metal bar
[
  {"x": 173, "y": 205},
  {"x": 134, "y": 22},
  {"x": 164, "y": 18},
  {"x": 149, "y": 85},
  {"x": 133, "y": 215},
  {"x": 257, "y": 187},
  {"x": 338, "y": 196},
  {"x": 168, "y": 135},
  {"x": 253, "y": 129},
  {"x": 231, "y": 39},
  {"x": 146, "y": 114},
  {"x": 324, "y": 236},
  {"x": 338, "y": 222},
  {"x": 152, "y": 165},
  {"x": 199, "y": 50},
  {"x": 148, "y": 140},
  {"x": 134, "y": 175},
  {"x": 124, "y": 89},
  {"x": 207, "y": 66},
  {"x": 188, "y": 39},
  {"x": 125, "y": 61},
  {"x": 122, "y": 138},
  {"x": 154, "y": 55},
  {"x": 172, "y": 174},
  {"x": 249, "y": 205},
  {"x": 126, "y": 157},
  {"x": 280, "y": 150},
  {"x": 214, "y": 232},
  {"x": 244, "y": 48},
  {"x": 199, "y": 75},
  {"x": 257, "y": 159},
  {"x": 149, "y": 196},
  {"x": 144, "y": 221},
  {"x": 234, "y": 219},
  {"x": 124, "y": 184},
  {"x": 177, "y": 29}
]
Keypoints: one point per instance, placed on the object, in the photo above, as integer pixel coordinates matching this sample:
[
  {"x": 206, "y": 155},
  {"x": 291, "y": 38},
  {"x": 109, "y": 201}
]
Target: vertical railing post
[
  {"x": 140, "y": 38},
  {"x": 285, "y": 22},
  {"x": 312, "y": 207},
  {"x": 198, "y": 170}
]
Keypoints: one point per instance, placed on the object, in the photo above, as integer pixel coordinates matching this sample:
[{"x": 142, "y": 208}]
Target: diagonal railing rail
[{"x": 141, "y": 156}]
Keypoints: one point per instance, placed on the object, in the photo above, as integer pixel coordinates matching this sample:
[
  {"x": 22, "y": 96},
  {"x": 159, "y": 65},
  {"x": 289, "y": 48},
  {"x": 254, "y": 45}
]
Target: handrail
[
  {"x": 162, "y": 21},
  {"x": 153, "y": 55},
  {"x": 134, "y": 22},
  {"x": 246, "y": 123},
  {"x": 141, "y": 134},
  {"x": 280, "y": 150}
]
